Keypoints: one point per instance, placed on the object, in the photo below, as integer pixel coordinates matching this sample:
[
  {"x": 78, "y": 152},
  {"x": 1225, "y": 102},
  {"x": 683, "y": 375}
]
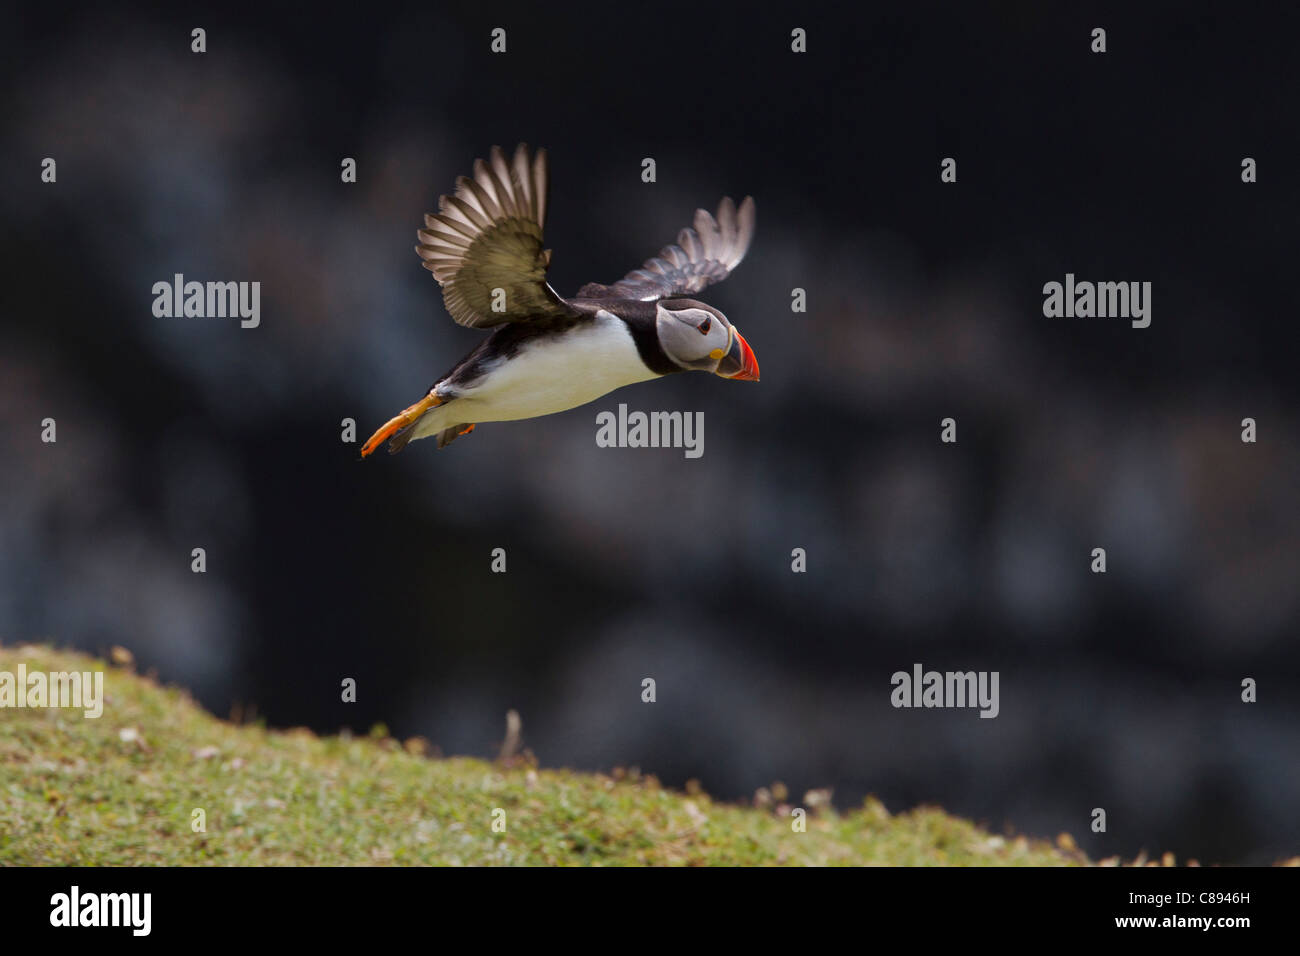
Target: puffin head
[{"x": 698, "y": 337}]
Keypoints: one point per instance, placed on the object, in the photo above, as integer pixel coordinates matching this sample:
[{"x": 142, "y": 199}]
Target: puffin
[{"x": 547, "y": 353}]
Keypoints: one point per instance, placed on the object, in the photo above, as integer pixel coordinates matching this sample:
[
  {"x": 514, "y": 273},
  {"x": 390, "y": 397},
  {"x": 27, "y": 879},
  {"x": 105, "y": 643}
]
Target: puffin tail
[{"x": 449, "y": 435}]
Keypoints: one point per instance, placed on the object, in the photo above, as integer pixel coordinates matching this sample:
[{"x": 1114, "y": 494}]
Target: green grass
[{"x": 121, "y": 790}]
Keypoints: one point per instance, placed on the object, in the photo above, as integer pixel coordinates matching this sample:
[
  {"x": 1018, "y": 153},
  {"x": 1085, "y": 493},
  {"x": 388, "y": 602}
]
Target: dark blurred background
[{"x": 1119, "y": 691}]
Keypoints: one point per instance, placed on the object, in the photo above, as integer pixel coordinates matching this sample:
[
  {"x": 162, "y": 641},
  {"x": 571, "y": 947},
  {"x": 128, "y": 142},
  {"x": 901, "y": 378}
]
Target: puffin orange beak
[{"x": 739, "y": 362}]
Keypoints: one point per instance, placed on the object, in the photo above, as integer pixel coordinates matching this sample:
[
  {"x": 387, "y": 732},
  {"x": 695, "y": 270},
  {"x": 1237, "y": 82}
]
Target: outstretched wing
[
  {"x": 485, "y": 244},
  {"x": 701, "y": 256}
]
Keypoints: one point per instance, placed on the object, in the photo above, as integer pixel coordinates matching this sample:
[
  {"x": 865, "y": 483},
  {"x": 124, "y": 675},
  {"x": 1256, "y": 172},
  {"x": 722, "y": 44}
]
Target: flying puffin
[{"x": 549, "y": 353}]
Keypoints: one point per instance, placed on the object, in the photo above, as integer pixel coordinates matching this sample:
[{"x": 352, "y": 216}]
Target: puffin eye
[{"x": 705, "y": 326}]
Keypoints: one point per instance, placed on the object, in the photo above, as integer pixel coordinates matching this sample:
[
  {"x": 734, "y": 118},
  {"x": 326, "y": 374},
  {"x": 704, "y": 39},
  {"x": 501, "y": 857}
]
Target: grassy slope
[{"x": 120, "y": 790}]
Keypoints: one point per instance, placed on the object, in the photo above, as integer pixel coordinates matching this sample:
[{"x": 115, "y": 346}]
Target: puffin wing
[
  {"x": 484, "y": 246},
  {"x": 702, "y": 255}
]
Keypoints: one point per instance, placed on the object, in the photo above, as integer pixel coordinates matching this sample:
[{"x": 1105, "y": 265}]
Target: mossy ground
[{"x": 122, "y": 790}]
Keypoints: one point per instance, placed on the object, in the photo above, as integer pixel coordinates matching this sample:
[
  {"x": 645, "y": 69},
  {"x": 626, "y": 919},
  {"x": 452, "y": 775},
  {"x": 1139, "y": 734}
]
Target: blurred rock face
[{"x": 182, "y": 433}]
